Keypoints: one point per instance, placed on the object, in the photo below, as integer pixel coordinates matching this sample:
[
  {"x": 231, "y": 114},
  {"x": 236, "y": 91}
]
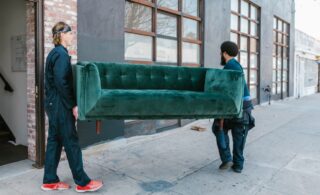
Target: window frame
[
  {"x": 282, "y": 56},
  {"x": 180, "y": 39},
  {"x": 248, "y": 36}
]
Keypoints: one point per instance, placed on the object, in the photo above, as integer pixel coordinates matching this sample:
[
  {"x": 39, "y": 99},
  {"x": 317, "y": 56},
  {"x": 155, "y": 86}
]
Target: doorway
[{"x": 13, "y": 79}]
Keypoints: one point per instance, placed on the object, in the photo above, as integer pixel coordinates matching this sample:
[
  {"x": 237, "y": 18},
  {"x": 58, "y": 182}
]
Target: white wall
[
  {"x": 307, "y": 48},
  {"x": 306, "y": 75},
  {"x": 13, "y": 106}
]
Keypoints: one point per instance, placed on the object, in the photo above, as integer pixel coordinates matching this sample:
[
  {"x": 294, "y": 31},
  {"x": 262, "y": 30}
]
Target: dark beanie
[{"x": 230, "y": 47}]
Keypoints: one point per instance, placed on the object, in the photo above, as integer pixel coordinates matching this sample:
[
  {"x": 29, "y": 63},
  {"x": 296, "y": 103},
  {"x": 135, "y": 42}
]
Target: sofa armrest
[
  {"x": 228, "y": 82},
  {"x": 88, "y": 87}
]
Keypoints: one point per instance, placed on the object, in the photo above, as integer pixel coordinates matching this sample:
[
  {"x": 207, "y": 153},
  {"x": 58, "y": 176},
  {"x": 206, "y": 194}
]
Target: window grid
[
  {"x": 280, "y": 66},
  {"x": 180, "y": 15},
  {"x": 245, "y": 22}
]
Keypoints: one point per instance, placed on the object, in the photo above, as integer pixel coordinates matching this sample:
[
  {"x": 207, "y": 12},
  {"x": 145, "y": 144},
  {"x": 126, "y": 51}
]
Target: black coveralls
[{"x": 59, "y": 101}]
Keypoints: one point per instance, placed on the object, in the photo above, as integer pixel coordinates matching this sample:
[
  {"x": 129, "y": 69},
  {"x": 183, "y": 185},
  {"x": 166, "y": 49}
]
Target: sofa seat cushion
[{"x": 153, "y": 104}]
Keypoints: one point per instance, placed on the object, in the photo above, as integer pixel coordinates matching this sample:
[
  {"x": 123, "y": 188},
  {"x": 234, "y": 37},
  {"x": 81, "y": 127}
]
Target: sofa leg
[{"x": 98, "y": 126}]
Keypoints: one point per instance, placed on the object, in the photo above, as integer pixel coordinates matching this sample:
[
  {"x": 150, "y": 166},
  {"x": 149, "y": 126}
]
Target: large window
[
  {"x": 163, "y": 31},
  {"x": 280, "y": 65},
  {"x": 245, "y": 32}
]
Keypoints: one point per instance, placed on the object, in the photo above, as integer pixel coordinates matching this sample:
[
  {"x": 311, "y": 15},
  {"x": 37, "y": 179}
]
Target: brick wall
[
  {"x": 60, "y": 10},
  {"x": 54, "y": 11},
  {"x": 30, "y": 21}
]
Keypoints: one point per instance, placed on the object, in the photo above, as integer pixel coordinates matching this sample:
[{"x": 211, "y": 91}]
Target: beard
[{"x": 223, "y": 61}]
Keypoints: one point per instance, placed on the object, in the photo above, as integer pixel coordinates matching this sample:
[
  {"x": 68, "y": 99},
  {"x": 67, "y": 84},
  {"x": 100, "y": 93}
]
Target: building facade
[
  {"x": 307, "y": 65},
  {"x": 163, "y": 32}
]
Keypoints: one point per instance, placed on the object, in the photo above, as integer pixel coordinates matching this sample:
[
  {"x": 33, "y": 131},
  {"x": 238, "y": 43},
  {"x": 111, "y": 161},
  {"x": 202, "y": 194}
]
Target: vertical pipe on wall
[{"x": 39, "y": 84}]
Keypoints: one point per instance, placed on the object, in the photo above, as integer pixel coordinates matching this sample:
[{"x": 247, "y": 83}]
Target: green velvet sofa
[{"x": 128, "y": 91}]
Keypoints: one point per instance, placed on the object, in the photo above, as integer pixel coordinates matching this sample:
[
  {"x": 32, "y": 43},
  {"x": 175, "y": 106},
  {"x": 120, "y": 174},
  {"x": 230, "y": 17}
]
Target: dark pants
[
  {"x": 62, "y": 133},
  {"x": 239, "y": 135}
]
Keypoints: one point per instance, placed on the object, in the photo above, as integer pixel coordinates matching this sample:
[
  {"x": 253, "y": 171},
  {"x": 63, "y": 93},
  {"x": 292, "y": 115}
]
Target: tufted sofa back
[{"x": 131, "y": 76}]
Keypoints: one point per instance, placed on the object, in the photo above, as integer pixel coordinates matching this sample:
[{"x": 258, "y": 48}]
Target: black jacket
[{"x": 59, "y": 79}]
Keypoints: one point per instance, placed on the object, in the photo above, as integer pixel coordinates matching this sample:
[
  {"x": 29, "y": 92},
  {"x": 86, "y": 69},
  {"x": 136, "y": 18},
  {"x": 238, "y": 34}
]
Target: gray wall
[
  {"x": 101, "y": 30},
  {"x": 217, "y": 30},
  {"x": 100, "y": 38}
]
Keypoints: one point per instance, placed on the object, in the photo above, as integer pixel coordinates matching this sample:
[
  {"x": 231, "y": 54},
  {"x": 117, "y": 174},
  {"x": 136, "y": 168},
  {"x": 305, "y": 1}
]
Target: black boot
[{"x": 225, "y": 165}]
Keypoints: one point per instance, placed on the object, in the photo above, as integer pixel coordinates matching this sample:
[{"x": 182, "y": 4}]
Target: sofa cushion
[
  {"x": 148, "y": 104},
  {"x": 131, "y": 76}
]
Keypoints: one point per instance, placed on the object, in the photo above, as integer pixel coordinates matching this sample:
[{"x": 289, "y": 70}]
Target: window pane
[
  {"x": 274, "y": 36},
  {"x": 138, "y": 17},
  {"x": 278, "y": 76},
  {"x": 244, "y": 43},
  {"x": 286, "y": 28},
  {"x": 253, "y": 91},
  {"x": 244, "y": 59},
  {"x": 284, "y": 39},
  {"x": 234, "y": 37},
  {"x": 274, "y": 63},
  {"x": 285, "y": 52},
  {"x": 279, "y": 38},
  {"x": 284, "y": 76},
  {"x": 253, "y": 61},
  {"x": 285, "y": 63},
  {"x": 279, "y": 25},
  {"x": 190, "y": 29},
  {"x": 253, "y": 77},
  {"x": 235, "y": 5},
  {"x": 237, "y": 58},
  {"x": 190, "y": 53},
  {"x": 191, "y": 7},
  {"x": 166, "y": 50},
  {"x": 254, "y": 13},
  {"x": 172, "y": 4},
  {"x": 244, "y": 25},
  {"x": 274, "y": 49},
  {"x": 279, "y": 89},
  {"x": 284, "y": 87},
  {"x": 279, "y": 51},
  {"x": 279, "y": 62},
  {"x": 234, "y": 22},
  {"x": 253, "y": 29},
  {"x": 244, "y": 8},
  {"x": 274, "y": 23},
  {"x": 274, "y": 76},
  {"x": 273, "y": 88},
  {"x": 253, "y": 45},
  {"x": 138, "y": 47},
  {"x": 166, "y": 25},
  {"x": 245, "y": 71}
]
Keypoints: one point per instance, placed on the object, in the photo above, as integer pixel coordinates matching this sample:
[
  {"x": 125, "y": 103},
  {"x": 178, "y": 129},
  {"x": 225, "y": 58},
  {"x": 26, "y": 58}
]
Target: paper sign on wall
[{"x": 18, "y": 53}]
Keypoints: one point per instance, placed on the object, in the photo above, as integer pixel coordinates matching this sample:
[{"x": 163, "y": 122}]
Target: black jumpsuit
[{"x": 59, "y": 101}]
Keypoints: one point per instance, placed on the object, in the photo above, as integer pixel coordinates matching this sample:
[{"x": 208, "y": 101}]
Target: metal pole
[{"x": 39, "y": 84}]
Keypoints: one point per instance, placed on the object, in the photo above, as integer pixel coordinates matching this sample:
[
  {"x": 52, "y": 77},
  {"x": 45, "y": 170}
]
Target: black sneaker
[
  {"x": 225, "y": 165},
  {"x": 236, "y": 169}
]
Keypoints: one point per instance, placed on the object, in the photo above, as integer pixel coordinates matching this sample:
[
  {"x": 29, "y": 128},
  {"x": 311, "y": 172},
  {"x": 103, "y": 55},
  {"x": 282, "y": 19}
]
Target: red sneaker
[
  {"x": 92, "y": 186},
  {"x": 55, "y": 186}
]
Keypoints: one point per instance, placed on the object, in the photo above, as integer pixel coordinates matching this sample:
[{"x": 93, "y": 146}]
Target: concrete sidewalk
[{"x": 282, "y": 157}]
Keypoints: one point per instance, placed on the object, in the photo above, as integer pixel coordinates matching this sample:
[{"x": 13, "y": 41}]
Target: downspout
[{"x": 39, "y": 83}]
